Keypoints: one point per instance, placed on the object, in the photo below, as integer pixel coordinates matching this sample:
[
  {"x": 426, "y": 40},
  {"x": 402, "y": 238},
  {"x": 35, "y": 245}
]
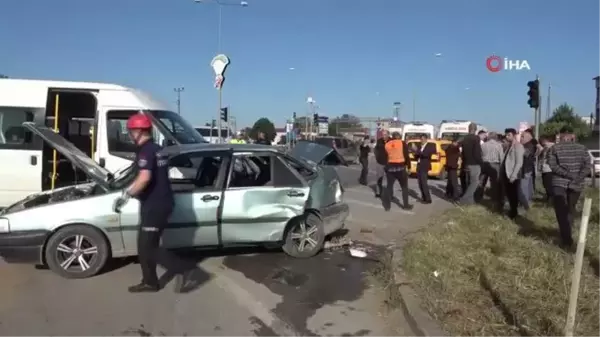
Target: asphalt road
[{"x": 239, "y": 293}]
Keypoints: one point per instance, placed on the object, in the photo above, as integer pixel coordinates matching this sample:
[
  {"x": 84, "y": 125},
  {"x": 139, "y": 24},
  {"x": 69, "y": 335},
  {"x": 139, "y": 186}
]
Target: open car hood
[
  {"x": 81, "y": 160},
  {"x": 314, "y": 153}
]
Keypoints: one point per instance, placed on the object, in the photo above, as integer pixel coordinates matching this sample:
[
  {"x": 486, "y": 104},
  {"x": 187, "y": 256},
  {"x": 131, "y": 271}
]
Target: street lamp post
[
  {"x": 179, "y": 90},
  {"x": 222, "y": 3}
]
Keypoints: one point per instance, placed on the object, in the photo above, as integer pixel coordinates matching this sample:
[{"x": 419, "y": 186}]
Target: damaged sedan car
[{"x": 225, "y": 195}]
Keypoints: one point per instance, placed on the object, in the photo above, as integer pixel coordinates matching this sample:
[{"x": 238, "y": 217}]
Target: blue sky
[{"x": 352, "y": 56}]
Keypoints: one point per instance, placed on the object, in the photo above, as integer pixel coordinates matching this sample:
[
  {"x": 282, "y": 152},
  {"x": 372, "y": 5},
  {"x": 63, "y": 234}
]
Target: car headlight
[
  {"x": 339, "y": 193},
  {"x": 4, "y": 225}
]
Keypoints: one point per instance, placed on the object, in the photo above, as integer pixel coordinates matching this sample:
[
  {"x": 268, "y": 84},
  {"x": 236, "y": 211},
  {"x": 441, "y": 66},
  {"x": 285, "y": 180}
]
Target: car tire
[
  {"x": 77, "y": 252},
  {"x": 313, "y": 230}
]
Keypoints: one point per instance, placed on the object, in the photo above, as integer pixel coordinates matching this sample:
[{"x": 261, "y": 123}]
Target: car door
[
  {"x": 193, "y": 222},
  {"x": 260, "y": 199}
]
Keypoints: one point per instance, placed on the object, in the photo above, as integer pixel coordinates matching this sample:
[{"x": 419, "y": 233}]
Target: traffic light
[
  {"x": 213, "y": 124},
  {"x": 294, "y": 116},
  {"x": 315, "y": 119},
  {"x": 224, "y": 114},
  {"x": 534, "y": 94}
]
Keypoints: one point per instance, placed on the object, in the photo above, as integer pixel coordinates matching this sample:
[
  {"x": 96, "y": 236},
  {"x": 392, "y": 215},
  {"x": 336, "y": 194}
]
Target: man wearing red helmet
[{"x": 152, "y": 188}]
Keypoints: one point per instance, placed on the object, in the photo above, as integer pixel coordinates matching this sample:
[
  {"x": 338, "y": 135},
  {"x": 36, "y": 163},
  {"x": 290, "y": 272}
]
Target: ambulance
[
  {"x": 456, "y": 129},
  {"x": 92, "y": 116},
  {"x": 414, "y": 130}
]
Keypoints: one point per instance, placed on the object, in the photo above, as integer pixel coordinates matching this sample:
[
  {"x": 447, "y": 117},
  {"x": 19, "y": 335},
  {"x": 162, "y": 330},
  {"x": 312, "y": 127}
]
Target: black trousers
[
  {"x": 565, "y": 201},
  {"x": 511, "y": 190},
  {"x": 422, "y": 178},
  {"x": 547, "y": 182},
  {"x": 401, "y": 176},
  {"x": 150, "y": 254},
  {"x": 364, "y": 172},
  {"x": 452, "y": 189},
  {"x": 490, "y": 172},
  {"x": 464, "y": 181}
]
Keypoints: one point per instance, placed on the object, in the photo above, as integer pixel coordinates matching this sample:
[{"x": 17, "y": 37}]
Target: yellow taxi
[{"x": 438, "y": 160}]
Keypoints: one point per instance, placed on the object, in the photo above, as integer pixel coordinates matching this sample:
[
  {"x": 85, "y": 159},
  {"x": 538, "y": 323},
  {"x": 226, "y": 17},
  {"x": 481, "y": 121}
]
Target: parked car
[
  {"x": 225, "y": 195},
  {"x": 438, "y": 160}
]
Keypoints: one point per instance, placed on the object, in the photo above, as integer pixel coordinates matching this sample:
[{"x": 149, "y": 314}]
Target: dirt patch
[{"x": 481, "y": 274}]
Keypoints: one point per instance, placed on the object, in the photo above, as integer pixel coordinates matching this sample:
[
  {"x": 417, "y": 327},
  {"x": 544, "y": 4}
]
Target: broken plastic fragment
[{"x": 357, "y": 253}]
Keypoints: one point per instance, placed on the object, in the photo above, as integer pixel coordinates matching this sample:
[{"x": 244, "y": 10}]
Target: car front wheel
[
  {"x": 305, "y": 236},
  {"x": 76, "y": 252}
]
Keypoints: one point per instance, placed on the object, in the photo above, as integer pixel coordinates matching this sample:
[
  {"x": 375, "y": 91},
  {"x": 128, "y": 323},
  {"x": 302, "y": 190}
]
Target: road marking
[
  {"x": 378, "y": 206},
  {"x": 250, "y": 302}
]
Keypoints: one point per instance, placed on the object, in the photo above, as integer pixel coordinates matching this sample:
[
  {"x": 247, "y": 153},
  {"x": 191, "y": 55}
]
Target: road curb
[{"x": 420, "y": 321}]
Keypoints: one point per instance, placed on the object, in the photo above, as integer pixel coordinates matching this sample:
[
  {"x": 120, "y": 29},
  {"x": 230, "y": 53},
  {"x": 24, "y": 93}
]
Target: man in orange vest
[{"x": 398, "y": 164}]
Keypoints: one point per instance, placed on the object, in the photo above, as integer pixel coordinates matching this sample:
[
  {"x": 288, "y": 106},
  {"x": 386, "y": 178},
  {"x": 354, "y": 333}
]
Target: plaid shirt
[
  {"x": 570, "y": 163},
  {"x": 492, "y": 152}
]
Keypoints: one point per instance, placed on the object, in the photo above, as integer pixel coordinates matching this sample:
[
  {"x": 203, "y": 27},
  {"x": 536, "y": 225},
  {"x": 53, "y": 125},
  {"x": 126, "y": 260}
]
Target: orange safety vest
[{"x": 395, "y": 151}]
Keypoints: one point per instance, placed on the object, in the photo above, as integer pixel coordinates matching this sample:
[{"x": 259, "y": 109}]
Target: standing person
[
  {"x": 153, "y": 189},
  {"x": 396, "y": 169},
  {"x": 452, "y": 156},
  {"x": 511, "y": 171},
  {"x": 471, "y": 163},
  {"x": 262, "y": 139},
  {"x": 570, "y": 164},
  {"x": 381, "y": 159},
  {"x": 363, "y": 157},
  {"x": 492, "y": 154},
  {"x": 239, "y": 139},
  {"x": 545, "y": 145},
  {"x": 423, "y": 155},
  {"x": 483, "y": 136},
  {"x": 526, "y": 184}
]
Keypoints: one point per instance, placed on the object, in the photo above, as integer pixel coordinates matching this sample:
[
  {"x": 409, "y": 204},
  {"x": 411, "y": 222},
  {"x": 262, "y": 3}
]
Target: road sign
[
  {"x": 289, "y": 127},
  {"x": 323, "y": 128}
]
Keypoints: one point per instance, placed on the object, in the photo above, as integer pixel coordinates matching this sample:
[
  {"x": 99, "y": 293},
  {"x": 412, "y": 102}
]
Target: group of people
[
  {"x": 392, "y": 156},
  {"x": 505, "y": 161}
]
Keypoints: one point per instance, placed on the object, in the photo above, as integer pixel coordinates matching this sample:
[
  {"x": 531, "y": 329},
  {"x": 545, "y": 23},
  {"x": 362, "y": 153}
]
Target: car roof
[{"x": 207, "y": 147}]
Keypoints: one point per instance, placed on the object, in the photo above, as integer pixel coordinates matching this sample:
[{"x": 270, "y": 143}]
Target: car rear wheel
[
  {"x": 305, "y": 237},
  {"x": 77, "y": 251}
]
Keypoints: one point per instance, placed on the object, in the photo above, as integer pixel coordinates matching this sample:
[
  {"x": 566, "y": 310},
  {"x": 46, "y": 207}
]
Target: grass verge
[{"x": 481, "y": 274}]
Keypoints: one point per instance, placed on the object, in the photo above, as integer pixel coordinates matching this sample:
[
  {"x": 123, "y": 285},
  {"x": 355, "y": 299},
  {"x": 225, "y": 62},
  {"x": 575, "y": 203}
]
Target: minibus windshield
[{"x": 181, "y": 130}]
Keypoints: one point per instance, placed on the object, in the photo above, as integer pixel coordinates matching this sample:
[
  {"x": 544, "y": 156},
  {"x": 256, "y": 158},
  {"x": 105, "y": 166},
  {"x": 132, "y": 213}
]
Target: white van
[
  {"x": 415, "y": 130},
  {"x": 90, "y": 115},
  {"x": 456, "y": 129},
  {"x": 211, "y": 135}
]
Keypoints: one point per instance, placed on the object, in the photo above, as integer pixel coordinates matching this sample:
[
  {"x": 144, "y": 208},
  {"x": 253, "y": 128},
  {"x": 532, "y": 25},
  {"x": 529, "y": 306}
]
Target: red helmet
[{"x": 139, "y": 121}]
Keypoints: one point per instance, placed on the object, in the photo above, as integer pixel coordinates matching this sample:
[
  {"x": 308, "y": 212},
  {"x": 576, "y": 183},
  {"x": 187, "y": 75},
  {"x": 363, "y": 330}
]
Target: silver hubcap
[
  {"x": 305, "y": 236},
  {"x": 76, "y": 252}
]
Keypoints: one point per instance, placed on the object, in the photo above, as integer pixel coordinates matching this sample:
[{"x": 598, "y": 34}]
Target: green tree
[
  {"x": 3, "y": 76},
  {"x": 562, "y": 116},
  {"x": 263, "y": 125},
  {"x": 345, "y": 123}
]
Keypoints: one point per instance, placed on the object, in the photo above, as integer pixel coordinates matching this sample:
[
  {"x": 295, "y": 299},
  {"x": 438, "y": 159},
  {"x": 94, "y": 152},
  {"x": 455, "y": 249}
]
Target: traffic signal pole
[{"x": 538, "y": 112}]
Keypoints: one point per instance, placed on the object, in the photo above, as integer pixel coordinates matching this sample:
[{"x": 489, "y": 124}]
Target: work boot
[{"x": 143, "y": 288}]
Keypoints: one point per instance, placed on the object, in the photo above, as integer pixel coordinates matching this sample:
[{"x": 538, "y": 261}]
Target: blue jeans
[{"x": 526, "y": 190}]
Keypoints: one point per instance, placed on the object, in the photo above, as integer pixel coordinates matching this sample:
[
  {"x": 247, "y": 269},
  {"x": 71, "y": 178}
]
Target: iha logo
[{"x": 496, "y": 63}]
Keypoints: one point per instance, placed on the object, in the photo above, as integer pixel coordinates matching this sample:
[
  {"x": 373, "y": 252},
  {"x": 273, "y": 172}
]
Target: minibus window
[{"x": 12, "y": 133}]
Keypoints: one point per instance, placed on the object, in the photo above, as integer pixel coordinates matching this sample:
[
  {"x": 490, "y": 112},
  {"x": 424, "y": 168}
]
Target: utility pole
[
  {"x": 548, "y": 111},
  {"x": 179, "y": 90}
]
